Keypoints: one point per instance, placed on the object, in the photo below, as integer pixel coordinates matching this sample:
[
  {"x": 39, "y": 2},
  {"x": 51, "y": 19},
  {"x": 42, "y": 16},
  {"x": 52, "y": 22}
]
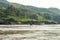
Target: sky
[{"x": 39, "y": 3}]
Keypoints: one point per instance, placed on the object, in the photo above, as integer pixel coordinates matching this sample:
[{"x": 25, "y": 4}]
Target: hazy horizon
[{"x": 39, "y": 3}]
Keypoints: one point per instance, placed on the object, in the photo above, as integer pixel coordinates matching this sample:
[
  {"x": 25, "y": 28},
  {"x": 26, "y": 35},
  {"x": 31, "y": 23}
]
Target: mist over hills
[{"x": 20, "y": 13}]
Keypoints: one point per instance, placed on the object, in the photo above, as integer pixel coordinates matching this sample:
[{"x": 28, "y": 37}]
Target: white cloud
[{"x": 39, "y": 3}]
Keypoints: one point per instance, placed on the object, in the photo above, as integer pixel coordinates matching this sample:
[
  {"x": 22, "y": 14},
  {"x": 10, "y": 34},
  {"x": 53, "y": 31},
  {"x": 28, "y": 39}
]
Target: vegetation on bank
[{"x": 13, "y": 13}]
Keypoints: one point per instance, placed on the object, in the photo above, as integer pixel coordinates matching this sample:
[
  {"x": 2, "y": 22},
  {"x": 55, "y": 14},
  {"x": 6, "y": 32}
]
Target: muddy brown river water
[{"x": 29, "y": 32}]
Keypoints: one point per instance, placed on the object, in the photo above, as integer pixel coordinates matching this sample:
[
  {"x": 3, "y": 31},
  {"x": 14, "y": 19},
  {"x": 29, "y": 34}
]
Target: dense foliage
[{"x": 13, "y": 12}]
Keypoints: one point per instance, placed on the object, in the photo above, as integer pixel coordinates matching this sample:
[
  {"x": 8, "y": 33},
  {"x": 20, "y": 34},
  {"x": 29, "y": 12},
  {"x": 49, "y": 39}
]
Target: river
[{"x": 30, "y": 32}]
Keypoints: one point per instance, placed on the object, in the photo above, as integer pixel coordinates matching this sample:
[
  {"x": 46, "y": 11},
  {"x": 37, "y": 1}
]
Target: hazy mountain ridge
[{"x": 24, "y": 13}]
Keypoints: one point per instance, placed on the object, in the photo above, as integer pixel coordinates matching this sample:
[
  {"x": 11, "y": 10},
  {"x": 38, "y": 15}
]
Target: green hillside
[{"x": 14, "y": 12}]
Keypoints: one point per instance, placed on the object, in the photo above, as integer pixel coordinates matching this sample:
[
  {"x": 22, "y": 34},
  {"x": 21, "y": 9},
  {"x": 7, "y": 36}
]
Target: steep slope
[
  {"x": 4, "y": 3},
  {"x": 18, "y": 12}
]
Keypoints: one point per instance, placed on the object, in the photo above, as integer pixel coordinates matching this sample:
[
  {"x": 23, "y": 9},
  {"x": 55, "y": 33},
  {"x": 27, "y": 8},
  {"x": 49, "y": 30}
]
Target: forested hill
[{"x": 14, "y": 12}]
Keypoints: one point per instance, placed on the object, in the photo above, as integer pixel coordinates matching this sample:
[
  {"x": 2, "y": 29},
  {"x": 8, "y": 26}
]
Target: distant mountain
[
  {"x": 55, "y": 10},
  {"x": 4, "y": 3},
  {"x": 19, "y": 12}
]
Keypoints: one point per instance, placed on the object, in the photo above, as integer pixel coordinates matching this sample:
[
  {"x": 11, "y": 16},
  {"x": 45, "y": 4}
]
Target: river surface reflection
[{"x": 30, "y": 32}]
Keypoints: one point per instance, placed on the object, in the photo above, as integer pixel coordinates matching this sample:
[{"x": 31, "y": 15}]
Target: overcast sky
[{"x": 39, "y": 3}]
